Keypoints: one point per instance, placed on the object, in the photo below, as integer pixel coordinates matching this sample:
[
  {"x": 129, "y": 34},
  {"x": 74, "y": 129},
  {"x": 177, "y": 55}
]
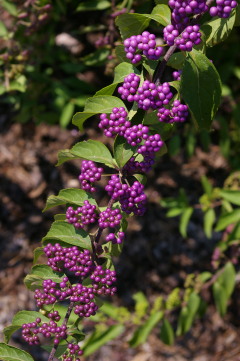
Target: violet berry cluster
[
  {"x": 69, "y": 259},
  {"x": 116, "y": 124},
  {"x": 223, "y": 8},
  {"x": 82, "y": 216},
  {"x": 145, "y": 43},
  {"x": 115, "y": 238},
  {"x": 177, "y": 113},
  {"x": 72, "y": 353},
  {"x": 110, "y": 218},
  {"x": 129, "y": 87},
  {"x": 103, "y": 280},
  {"x": 132, "y": 198},
  {"x": 185, "y": 40},
  {"x": 30, "y": 331},
  {"x": 89, "y": 174}
]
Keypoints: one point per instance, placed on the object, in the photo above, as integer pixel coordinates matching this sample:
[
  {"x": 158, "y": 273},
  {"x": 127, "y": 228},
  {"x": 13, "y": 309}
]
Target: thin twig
[{"x": 65, "y": 321}]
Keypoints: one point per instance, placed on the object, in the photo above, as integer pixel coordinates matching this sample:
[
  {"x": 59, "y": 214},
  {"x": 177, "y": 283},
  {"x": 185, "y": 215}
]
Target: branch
[{"x": 65, "y": 321}]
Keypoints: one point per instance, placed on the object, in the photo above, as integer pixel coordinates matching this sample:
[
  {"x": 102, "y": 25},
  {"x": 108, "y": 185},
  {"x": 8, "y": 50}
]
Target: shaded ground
[{"x": 155, "y": 258}]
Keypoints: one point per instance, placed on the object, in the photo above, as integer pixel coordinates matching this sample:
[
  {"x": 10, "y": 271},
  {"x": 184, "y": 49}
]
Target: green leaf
[
  {"x": 135, "y": 23},
  {"x": 237, "y": 19},
  {"x": 96, "y": 105},
  {"x": 3, "y": 29},
  {"x": 72, "y": 196},
  {"x": 223, "y": 288},
  {"x": 141, "y": 304},
  {"x": 220, "y": 298},
  {"x": 173, "y": 212},
  {"x": 166, "y": 333},
  {"x": 66, "y": 114},
  {"x": 10, "y": 353},
  {"x": 231, "y": 196},
  {"x": 176, "y": 85},
  {"x": 132, "y": 24},
  {"x": 218, "y": 29},
  {"x": 205, "y": 276},
  {"x": 176, "y": 60},
  {"x": 206, "y": 185},
  {"x": 122, "y": 70},
  {"x": 38, "y": 274},
  {"x": 93, "y": 5},
  {"x": 91, "y": 150},
  {"x": 65, "y": 155},
  {"x": 95, "y": 151},
  {"x": 208, "y": 221},
  {"x": 121, "y": 54},
  {"x": 188, "y": 314},
  {"x": 98, "y": 339},
  {"x": 122, "y": 151},
  {"x": 227, "y": 219},
  {"x": 10, "y": 7},
  {"x": 120, "y": 314},
  {"x": 184, "y": 220},
  {"x": 19, "y": 319},
  {"x": 200, "y": 88},
  {"x": 141, "y": 334},
  {"x": 65, "y": 233},
  {"x": 161, "y": 14},
  {"x": 150, "y": 66},
  {"x": 38, "y": 252},
  {"x": 181, "y": 321},
  {"x": 107, "y": 90},
  {"x": 142, "y": 178},
  {"x": 235, "y": 234},
  {"x": 227, "y": 278}
]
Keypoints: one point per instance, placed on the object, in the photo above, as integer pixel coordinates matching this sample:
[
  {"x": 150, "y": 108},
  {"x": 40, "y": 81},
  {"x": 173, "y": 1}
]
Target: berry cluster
[
  {"x": 52, "y": 292},
  {"x": 146, "y": 43},
  {"x": 117, "y": 124},
  {"x": 186, "y": 40},
  {"x": 69, "y": 258},
  {"x": 129, "y": 87},
  {"x": 178, "y": 113},
  {"x": 152, "y": 96},
  {"x": 115, "y": 187},
  {"x": 134, "y": 200},
  {"x": 30, "y": 331},
  {"x": 83, "y": 297},
  {"x": 73, "y": 351},
  {"x": 111, "y": 237},
  {"x": 89, "y": 174},
  {"x": 82, "y": 216},
  {"x": 136, "y": 134},
  {"x": 144, "y": 166},
  {"x": 131, "y": 198},
  {"x": 151, "y": 145},
  {"x": 183, "y": 8},
  {"x": 223, "y": 8},
  {"x": 110, "y": 218},
  {"x": 102, "y": 280}
]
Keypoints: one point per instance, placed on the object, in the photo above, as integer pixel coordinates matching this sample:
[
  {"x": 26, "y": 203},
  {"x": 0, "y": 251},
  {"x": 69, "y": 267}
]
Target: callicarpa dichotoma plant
[{"x": 143, "y": 114}]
